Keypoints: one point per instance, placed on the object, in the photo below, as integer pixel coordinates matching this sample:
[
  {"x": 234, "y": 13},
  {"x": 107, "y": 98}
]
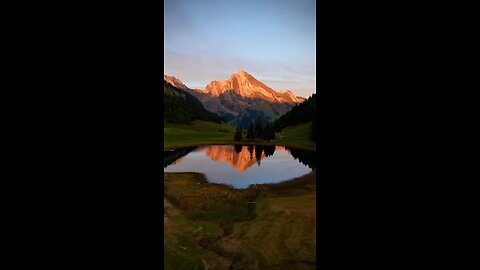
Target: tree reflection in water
[
  {"x": 269, "y": 150},
  {"x": 250, "y": 150},
  {"x": 235, "y": 164},
  {"x": 305, "y": 157},
  {"x": 169, "y": 157},
  {"x": 258, "y": 153},
  {"x": 238, "y": 148}
]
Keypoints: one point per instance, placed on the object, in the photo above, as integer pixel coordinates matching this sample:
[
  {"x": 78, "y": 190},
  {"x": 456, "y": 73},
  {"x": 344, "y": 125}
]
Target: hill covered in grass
[
  {"x": 181, "y": 107},
  {"x": 302, "y": 115},
  {"x": 298, "y": 135},
  {"x": 213, "y": 226},
  {"x": 197, "y": 132}
]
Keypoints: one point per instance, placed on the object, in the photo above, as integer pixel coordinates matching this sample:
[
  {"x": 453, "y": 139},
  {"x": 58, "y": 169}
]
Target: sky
[{"x": 273, "y": 40}]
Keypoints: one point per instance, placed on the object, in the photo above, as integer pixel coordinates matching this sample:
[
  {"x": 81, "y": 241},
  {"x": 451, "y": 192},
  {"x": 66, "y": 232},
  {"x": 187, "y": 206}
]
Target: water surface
[{"x": 241, "y": 166}]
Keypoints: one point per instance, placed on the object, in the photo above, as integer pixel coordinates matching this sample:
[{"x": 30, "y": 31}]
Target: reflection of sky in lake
[{"x": 221, "y": 164}]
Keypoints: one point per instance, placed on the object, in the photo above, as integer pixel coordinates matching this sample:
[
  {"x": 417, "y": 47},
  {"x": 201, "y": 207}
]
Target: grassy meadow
[
  {"x": 213, "y": 226},
  {"x": 298, "y": 136},
  {"x": 203, "y": 132},
  {"x": 199, "y": 132}
]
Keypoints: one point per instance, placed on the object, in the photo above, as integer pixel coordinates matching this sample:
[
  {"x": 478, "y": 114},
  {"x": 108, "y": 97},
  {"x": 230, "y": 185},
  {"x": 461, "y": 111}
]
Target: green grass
[
  {"x": 298, "y": 135},
  {"x": 198, "y": 132},
  {"x": 213, "y": 226},
  {"x": 202, "y": 132}
]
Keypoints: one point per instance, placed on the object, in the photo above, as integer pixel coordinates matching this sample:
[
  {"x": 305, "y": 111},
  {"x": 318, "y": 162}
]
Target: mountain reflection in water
[{"x": 239, "y": 165}]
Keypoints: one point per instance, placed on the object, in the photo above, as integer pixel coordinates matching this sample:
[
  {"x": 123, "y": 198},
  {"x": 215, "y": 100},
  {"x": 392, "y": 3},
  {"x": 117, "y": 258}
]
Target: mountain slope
[
  {"x": 246, "y": 85},
  {"x": 182, "y": 107},
  {"x": 175, "y": 82},
  {"x": 242, "y": 98},
  {"x": 300, "y": 113}
]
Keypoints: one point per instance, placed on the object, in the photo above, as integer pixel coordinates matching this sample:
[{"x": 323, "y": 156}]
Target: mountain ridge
[
  {"x": 182, "y": 107},
  {"x": 246, "y": 85},
  {"x": 241, "y": 83},
  {"x": 241, "y": 98}
]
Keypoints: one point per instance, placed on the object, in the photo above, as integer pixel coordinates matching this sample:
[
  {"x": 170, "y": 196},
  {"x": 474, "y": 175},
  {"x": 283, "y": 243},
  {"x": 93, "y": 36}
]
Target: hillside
[
  {"x": 298, "y": 135},
  {"x": 182, "y": 107},
  {"x": 301, "y": 115}
]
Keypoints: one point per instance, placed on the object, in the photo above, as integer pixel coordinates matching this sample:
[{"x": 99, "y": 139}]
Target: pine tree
[
  {"x": 258, "y": 128},
  {"x": 238, "y": 148},
  {"x": 258, "y": 153},
  {"x": 269, "y": 150},
  {"x": 238, "y": 135},
  {"x": 314, "y": 129},
  {"x": 250, "y": 131},
  {"x": 250, "y": 150},
  {"x": 269, "y": 132}
]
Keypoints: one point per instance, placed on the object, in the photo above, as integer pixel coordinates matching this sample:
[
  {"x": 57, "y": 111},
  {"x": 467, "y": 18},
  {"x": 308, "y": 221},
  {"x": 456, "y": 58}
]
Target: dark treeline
[
  {"x": 314, "y": 128},
  {"x": 257, "y": 130},
  {"x": 269, "y": 150},
  {"x": 301, "y": 113},
  {"x": 238, "y": 148},
  {"x": 182, "y": 107},
  {"x": 170, "y": 157},
  {"x": 305, "y": 157}
]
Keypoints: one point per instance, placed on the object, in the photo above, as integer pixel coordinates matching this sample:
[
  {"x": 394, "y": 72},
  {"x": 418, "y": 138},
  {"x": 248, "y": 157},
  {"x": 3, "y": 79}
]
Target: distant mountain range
[{"x": 241, "y": 98}]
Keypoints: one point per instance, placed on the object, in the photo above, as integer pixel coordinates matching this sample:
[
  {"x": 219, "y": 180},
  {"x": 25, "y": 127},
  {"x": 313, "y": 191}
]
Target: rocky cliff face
[
  {"x": 246, "y": 85},
  {"x": 175, "y": 82}
]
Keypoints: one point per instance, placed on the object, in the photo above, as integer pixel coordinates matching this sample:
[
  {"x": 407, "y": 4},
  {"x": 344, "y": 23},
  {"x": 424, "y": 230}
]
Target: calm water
[{"x": 241, "y": 166}]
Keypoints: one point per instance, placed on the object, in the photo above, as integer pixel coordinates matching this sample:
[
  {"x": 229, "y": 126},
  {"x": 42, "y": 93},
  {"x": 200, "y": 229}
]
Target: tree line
[
  {"x": 301, "y": 113},
  {"x": 257, "y": 130}
]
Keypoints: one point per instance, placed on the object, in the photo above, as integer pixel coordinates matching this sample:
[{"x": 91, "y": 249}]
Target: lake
[{"x": 241, "y": 165}]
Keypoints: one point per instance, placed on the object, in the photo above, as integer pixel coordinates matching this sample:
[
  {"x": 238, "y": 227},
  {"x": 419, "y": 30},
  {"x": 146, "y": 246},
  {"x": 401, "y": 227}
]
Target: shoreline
[{"x": 276, "y": 143}]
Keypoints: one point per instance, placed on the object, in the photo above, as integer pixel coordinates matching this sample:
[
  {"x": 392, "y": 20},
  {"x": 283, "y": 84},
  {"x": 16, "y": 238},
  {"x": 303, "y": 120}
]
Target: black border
[{"x": 85, "y": 170}]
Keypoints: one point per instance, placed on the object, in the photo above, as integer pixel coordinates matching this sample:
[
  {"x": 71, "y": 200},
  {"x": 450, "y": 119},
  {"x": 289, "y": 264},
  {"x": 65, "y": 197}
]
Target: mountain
[
  {"x": 175, "y": 82},
  {"x": 181, "y": 107},
  {"x": 246, "y": 85},
  {"x": 241, "y": 98}
]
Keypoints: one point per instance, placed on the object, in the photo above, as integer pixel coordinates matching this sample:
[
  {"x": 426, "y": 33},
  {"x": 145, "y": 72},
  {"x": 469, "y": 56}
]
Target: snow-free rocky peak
[
  {"x": 175, "y": 82},
  {"x": 244, "y": 84}
]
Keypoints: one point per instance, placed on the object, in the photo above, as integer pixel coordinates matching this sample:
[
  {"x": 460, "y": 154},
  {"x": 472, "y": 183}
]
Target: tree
[
  {"x": 314, "y": 129},
  {"x": 258, "y": 128},
  {"x": 250, "y": 131},
  {"x": 300, "y": 113},
  {"x": 269, "y": 150},
  {"x": 238, "y": 148},
  {"x": 250, "y": 150},
  {"x": 269, "y": 133},
  {"x": 258, "y": 153},
  {"x": 238, "y": 135}
]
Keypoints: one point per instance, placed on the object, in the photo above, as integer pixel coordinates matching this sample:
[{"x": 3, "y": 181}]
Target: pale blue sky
[{"x": 274, "y": 40}]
